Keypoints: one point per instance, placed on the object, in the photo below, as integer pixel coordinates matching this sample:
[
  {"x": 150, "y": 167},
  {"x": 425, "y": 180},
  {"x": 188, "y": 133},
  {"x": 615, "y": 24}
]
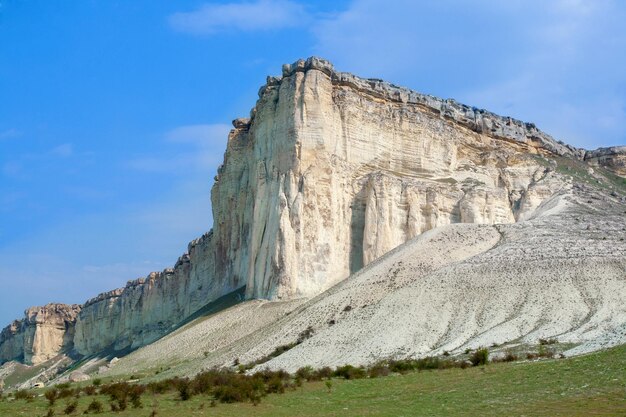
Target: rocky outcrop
[
  {"x": 332, "y": 171},
  {"x": 613, "y": 159},
  {"x": 42, "y": 334},
  {"x": 148, "y": 308},
  {"x": 329, "y": 173}
]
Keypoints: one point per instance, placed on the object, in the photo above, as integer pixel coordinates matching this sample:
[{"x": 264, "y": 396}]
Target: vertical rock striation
[{"x": 42, "y": 334}]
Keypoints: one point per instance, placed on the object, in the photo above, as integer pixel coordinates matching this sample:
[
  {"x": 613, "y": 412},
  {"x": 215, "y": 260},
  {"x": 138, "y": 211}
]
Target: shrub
[
  {"x": 51, "y": 395},
  {"x": 70, "y": 408},
  {"x": 350, "y": 372},
  {"x": 135, "y": 393},
  {"x": 65, "y": 392},
  {"x": 508, "y": 357},
  {"x": 378, "y": 370},
  {"x": 329, "y": 385},
  {"x": 323, "y": 373},
  {"x": 159, "y": 387},
  {"x": 24, "y": 394},
  {"x": 545, "y": 352},
  {"x": 50, "y": 412},
  {"x": 305, "y": 373},
  {"x": 97, "y": 382},
  {"x": 430, "y": 362},
  {"x": 90, "y": 390},
  {"x": 118, "y": 393},
  {"x": 480, "y": 357},
  {"x": 550, "y": 341},
  {"x": 95, "y": 407},
  {"x": 183, "y": 386}
]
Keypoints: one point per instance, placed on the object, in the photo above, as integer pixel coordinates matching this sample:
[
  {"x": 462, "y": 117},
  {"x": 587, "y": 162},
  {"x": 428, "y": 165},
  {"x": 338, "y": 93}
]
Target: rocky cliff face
[
  {"x": 42, "y": 334},
  {"x": 330, "y": 172},
  {"x": 613, "y": 158}
]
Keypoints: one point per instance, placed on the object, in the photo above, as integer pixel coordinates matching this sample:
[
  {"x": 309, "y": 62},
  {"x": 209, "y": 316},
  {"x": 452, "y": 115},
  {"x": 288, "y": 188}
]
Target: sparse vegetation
[
  {"x": 564, "y": 387},
  {"x": 71, "y": 407},
  {"x": 479, "y": 357},
  {"x": 95, "y": 407},
  {"x": 51, "y": 395},
  {"x": 24, "y": 394}
]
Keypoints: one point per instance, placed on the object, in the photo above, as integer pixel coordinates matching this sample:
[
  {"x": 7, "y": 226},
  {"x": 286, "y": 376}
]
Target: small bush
[
  {"x": 183, "y": 386},
  {"x": 118, "y": 395},
  {"x": 65, "y": 392},
  {"x": 159, "y": 387},
  {"x": 97, "y": 382},
  {"x": 480, "y": 357},
  {"x": 545, "y": 352},
  {"x": 51, "y": 395},
  {"x": 24, "y": 394},
  {"x": 135, "y": 394},
  {"x": 305, "y": 373},
  {"x": 90, "y": 390},
  {"x": 94, "y": 407},
  {"x": 50, "y": 413},
  {"x": 350, "y": 372},
  {"x": 329, "y": 385},
  {"x": 508, "y": 357},
  {"x": 70, "y": 408},
  {"x": 550, "y": 341},
  {"x": 378, "y": 370},
  {"x": 323, "y": 373}
]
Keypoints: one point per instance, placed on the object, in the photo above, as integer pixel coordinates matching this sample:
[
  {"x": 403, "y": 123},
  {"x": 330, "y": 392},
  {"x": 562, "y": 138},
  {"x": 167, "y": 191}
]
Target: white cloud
[
  {"x": 200, "y": 149},
  {"x": 244, "y": 16},
  {"x": 10, "y": 134},
  {"x": 557, "y": 63},
  {"x": 63, "y": 151}
]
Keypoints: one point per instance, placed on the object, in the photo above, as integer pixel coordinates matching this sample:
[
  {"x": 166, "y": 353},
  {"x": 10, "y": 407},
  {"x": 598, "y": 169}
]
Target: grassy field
[{"x": 591, "y": 385}]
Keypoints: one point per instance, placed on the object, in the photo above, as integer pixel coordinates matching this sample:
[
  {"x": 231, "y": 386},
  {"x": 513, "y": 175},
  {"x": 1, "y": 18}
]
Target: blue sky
[{"x": 114, "y": 114}]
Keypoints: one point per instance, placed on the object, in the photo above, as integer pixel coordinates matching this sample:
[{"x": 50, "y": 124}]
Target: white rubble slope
[{"x": 561, "y": 274}]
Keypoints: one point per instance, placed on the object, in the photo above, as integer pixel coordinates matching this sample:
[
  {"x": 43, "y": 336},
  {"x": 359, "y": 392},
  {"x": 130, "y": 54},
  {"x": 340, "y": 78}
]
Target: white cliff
[
  {"x": 42, "y": 334},
  {"x": 329, "y": 173}
]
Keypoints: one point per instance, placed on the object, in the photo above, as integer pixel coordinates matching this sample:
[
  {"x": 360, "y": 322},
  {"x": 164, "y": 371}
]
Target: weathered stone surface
[
  {"x": 333, "y": 171},
  {"x": 42, "y": 334},
  {"x": 329, "y": 172},
  {"x": 613, "y": 158},
  {"x": 77, "y": 376}
]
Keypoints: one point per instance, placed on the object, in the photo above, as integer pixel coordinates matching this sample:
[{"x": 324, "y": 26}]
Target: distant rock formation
[
  {"x": 613, "y": 158},
  {"x": 329, "y": 172},
  {"x": 42, "y": 334}
]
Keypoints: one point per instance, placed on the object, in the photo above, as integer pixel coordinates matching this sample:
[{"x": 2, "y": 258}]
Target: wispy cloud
[
  {"x": 10, "y": 134},
  {"x": 63, "y": 151},
  {"x": 243, "y": 16},
  {"x": 553, "y": 62},
  {"x": 200, "y": 149}
]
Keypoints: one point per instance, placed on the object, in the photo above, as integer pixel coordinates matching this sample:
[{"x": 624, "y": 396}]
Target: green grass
[{"x": 591, "y": 385}]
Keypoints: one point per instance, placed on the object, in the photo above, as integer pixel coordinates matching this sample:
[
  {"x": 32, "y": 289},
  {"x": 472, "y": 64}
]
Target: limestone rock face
[
  {"x": 42, "y": 334},
  {"x": 332, "y": 171},
  {"x": 613, "y": 158},
  {"x": 329, "y": 173},
  {"x": 147, "y": 308}
]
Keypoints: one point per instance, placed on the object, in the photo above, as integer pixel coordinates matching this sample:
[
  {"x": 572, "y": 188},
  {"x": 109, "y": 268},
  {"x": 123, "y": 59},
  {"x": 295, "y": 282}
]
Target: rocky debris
[
  {"x": 77, "y": 376},
  {"x": 557, "y": 275}
]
